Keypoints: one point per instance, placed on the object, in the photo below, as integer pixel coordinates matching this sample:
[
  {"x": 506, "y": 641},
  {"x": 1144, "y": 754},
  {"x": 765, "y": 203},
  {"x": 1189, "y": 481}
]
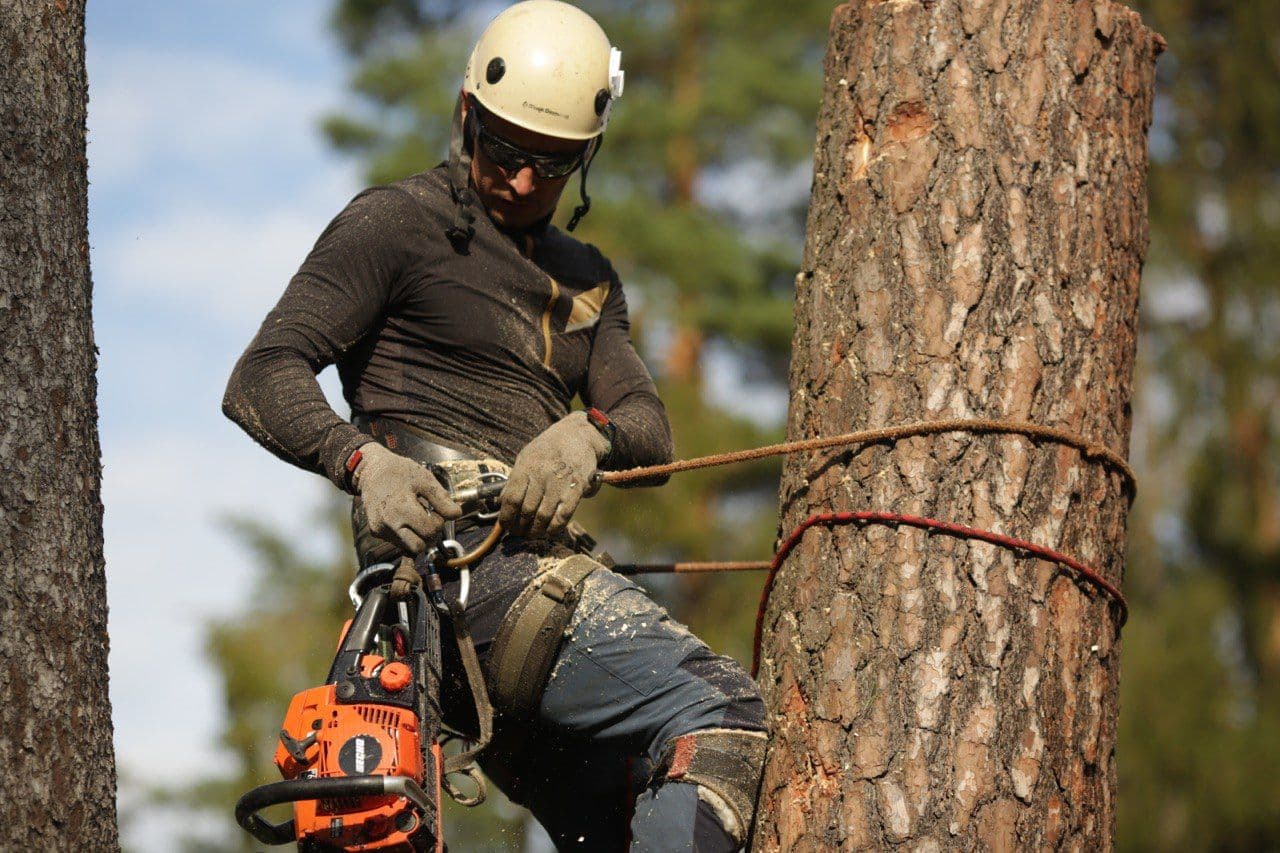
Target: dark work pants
[{"x": 627, "y": 680}]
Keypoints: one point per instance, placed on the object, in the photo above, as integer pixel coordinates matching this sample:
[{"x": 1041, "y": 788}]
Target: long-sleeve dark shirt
[{"x": 481, "y": 350}]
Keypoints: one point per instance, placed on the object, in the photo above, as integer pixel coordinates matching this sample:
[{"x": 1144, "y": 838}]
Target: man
[{"x": 463, "y": 324}]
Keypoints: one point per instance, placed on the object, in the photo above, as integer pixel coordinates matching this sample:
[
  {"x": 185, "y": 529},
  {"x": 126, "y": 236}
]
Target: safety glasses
[{"x": 512, "y": 158}]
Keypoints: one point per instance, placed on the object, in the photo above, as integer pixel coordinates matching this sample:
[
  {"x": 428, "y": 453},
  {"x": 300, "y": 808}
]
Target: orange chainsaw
[{"x": 361, "y": 755}]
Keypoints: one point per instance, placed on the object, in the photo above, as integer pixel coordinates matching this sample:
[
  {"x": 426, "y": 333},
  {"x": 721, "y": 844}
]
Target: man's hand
[
  {"x": 403, "y": 501},
  {"x": 550, "y": 476}
]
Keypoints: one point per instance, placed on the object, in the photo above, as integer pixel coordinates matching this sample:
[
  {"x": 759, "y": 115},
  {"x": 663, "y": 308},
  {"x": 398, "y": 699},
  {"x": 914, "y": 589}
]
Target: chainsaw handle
[
  {"x": 360, "y": 635},
  {"x": 333, "y": 787}
]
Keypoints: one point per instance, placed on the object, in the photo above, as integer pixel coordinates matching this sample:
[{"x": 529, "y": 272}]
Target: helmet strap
[
  {"x": 462, "y": 230},
  {"x": 581, "y": 210}
]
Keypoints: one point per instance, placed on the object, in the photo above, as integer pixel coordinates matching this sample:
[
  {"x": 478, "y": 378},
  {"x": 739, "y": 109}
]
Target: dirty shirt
[{"x": 482, "y": 349}]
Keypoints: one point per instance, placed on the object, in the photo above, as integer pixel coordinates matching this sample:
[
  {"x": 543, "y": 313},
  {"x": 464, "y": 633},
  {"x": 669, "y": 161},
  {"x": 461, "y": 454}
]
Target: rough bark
[
  {"x": 56, "y": 754},
  {"x": 975, "y": 242}
]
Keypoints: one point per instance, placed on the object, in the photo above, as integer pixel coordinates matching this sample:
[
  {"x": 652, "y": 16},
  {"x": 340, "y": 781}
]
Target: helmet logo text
[{"x": 546, "y": 110}]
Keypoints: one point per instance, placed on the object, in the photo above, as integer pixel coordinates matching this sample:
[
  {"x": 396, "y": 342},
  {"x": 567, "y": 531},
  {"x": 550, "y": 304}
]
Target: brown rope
[
  {"x": 480, "y": 552},
  {"x": 1088, "y": 449},
  {"x": 690, "y": 568}
]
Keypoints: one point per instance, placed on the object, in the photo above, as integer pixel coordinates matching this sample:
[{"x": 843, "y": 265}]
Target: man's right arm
[{"x": 340, "y": 294}]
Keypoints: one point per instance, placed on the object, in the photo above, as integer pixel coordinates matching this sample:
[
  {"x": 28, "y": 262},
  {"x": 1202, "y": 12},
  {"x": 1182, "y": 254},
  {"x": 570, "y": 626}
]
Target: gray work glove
[
  {"x": 550, "y": 477},
  {"x": 402, "y": 500}
]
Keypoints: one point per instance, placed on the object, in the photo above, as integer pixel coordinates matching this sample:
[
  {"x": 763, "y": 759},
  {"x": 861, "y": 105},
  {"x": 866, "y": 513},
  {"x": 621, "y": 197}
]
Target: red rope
[{"x": 893, "y": 518}]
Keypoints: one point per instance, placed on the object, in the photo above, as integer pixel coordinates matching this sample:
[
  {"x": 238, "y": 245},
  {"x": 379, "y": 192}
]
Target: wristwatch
[{"x": 605, "y": 427}]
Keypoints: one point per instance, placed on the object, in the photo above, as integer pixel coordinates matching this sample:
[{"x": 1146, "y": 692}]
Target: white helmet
[{"x": 548, "y": 67}]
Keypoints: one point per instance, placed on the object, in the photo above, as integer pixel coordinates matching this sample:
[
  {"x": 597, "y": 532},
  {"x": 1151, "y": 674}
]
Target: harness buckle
[{"x": 555, "y": 588}]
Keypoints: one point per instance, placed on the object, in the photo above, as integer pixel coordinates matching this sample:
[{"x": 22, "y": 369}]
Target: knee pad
[{"x": 726, "y": 765}]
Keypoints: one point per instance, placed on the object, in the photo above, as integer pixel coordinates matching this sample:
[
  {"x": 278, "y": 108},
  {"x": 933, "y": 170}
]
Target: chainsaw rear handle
[{"x": 293, "y": 790}]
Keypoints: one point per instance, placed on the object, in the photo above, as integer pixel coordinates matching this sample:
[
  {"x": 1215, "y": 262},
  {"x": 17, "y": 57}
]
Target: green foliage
[
  {"x": 1200, "y": 704},
  {"x": 1198, "y": 737}
]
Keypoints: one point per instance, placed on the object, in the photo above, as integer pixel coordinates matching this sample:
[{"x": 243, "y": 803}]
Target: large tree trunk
[
  {"x": 975, "y": 242},
  {"x": 55, "y": 719}
]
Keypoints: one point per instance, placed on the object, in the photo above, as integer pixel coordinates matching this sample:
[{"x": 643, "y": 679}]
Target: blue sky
[{"x": 209, "y": 182}]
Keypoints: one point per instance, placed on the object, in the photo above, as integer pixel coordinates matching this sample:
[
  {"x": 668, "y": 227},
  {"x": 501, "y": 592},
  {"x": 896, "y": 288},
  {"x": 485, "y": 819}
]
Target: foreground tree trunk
[
  {"x": 56, "y": 756},
  {"x": 975, "y": 242}
]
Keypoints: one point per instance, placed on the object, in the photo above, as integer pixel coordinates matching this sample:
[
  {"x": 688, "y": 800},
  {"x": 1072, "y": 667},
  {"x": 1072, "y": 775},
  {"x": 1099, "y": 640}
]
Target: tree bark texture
[
  {"x": 975, "y": 242},
  {"x": 56, "y": 753}
]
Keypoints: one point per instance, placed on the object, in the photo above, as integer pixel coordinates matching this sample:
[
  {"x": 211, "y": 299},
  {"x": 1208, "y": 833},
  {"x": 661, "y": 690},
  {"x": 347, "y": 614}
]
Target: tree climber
[{"x": 463, "y": 323}]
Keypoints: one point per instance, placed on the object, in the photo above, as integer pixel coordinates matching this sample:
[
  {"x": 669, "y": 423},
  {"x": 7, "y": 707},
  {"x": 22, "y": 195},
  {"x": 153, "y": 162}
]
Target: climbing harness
[{"x": 528, "y": 639}]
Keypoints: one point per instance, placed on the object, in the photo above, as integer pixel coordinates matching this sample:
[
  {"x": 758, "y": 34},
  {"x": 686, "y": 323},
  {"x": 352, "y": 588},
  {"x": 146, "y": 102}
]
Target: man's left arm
[{"x": 619, "y": 385}]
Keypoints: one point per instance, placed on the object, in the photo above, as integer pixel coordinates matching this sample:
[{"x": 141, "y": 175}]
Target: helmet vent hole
[
  {"x": 602, "y": 101},
  {"x": 493, "y": 73}
]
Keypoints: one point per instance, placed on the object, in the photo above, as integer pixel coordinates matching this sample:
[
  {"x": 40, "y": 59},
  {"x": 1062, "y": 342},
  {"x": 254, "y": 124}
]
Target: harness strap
[
  {"x": 461, "y": 229},
  {"x": 480, "y": 696},
  {"x": 529, "y": 637},
  {"x": 405, "y": 580},
  {"x": 408, "y": 440}
]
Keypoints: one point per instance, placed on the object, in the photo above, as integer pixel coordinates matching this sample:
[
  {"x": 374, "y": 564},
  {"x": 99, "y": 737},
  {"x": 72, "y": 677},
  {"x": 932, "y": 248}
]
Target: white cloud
[
  {"x": 209, "y": 183},
  {"x": 166, "y": 128},
  {"x": 209, "y": 179},
  {"x": 150, "y": 106}
]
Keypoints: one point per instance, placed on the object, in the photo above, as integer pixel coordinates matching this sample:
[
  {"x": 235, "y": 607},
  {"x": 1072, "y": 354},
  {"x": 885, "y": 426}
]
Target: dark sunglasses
[{"x": 512, "y": 158}]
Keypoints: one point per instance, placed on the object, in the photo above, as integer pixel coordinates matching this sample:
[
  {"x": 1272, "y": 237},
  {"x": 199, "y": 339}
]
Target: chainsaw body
[{"x": 353, "y": 740}]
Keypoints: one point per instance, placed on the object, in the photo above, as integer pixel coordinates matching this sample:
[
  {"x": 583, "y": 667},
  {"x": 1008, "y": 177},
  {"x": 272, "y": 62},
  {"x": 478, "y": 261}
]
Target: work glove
[
  {"x": 550, "y": 477},
  {"x": 403, "y": 502}
]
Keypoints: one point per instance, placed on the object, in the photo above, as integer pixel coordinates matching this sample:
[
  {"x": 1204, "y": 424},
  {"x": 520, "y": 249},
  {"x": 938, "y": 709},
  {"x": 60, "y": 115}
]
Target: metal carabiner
[
  {"x": 464, "y": 575},
  {"x": 487, "y": 477},
  {"x": 436, "y": 555}
]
